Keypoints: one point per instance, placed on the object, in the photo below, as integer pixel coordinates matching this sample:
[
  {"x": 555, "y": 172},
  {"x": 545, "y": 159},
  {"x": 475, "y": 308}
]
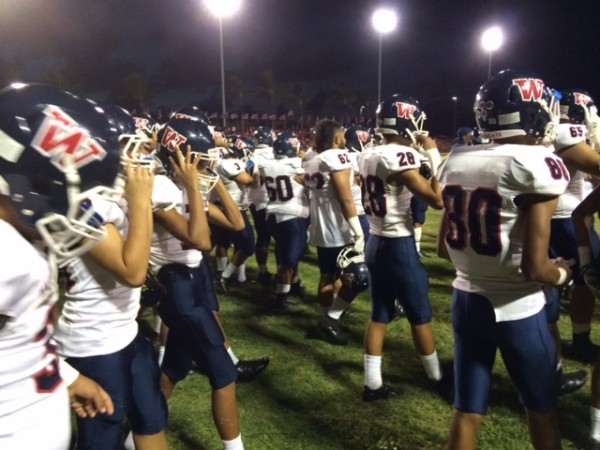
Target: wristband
[
  {"x": 562, "y": 277},
  {"x": 67, "y": 372}
]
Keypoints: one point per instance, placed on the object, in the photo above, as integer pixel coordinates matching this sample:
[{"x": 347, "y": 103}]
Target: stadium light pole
[
  {"x": 491, "y": 40},
  {"x": 384, "y": 21},
  {"x": 455, "y": 100},
  {"x": 221, "y": 9}
]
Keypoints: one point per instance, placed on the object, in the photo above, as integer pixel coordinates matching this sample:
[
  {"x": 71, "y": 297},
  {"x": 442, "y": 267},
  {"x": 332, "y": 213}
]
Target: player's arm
[
  {"x": 193, "y": 232},
  {"x": 582, "y": 223},
  {"x": 127, "y": 259},
  {"x": 340, "y": 180},
  {"x": 535, "y": 264},
  {"x": 581, "y": 157},
  {"x": 428, "y": 191},
  {"x": 244, "y": 179},
  {"x": 229, "y": 217}
]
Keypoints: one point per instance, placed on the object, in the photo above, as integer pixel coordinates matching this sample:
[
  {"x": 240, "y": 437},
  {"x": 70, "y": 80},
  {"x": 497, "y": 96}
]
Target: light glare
[
  {"x": 384, "y": 20},
  {"x": 492, "y": 39},
  {"x": 223, "y": 8}
]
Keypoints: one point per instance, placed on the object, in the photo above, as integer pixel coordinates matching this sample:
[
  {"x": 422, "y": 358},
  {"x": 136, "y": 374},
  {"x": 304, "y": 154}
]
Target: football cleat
[
  {"x": 247, "y": 370},
  {"x": 571, "y": 382},
  {"x": 297, "y": 289},
  {"x": 384, "y": 392},
  {"x": 332, "y": 331}
]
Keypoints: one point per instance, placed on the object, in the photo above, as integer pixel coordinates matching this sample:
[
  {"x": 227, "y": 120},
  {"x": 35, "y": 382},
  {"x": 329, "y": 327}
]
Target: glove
[
  {"x": 433, "y": 155},
  {"x": 359, "y": 237},
  {"x": 592, "y": 123}
]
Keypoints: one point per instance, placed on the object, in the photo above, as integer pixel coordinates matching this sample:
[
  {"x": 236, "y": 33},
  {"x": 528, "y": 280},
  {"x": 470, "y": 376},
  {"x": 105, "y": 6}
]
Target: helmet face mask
[
  {"x": 62, "y": 151},
  {"x": 353, "y": 270}
]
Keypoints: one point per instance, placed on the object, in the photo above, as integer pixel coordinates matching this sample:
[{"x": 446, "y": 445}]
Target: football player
[
  {"x": 97, "y": 331},
  {"x": 258, "y": 197},
  {"x": 57, "y": 150},
  {"x": 334, "y": 222},
  {"x": 287, "y": 211},
  {"x": 390, "y": 176},
  {"x": 499, "y": 199}
]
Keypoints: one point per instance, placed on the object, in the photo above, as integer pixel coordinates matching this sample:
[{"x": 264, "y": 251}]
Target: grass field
[{"x": 309, "y": 397}]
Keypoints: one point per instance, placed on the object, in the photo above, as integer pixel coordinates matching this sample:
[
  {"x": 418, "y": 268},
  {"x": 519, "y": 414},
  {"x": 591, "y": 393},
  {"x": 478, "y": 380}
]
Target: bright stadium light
[
  {"x": 491, "y": 40},
  {"x": 384, "y": 21},
  {"x": 220, "y": 9}
]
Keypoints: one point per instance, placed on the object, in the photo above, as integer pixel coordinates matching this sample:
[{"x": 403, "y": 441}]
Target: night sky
[{"x": 172, "y": 47}]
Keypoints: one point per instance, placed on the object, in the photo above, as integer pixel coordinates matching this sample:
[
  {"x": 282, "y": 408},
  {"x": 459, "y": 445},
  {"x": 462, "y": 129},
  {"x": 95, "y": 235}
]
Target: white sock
[
  {"x": 128, "y": 444},
  {"x": 418, "y": 233},
  {"x": 373, "y": 378},
  {"x": 241, "y": 273},
  {"x": 161, "y": 355},
  {"x": 431, "y": 364},
  {"x": 282, "y": 288},
  {"x": 221, "y": 263},
  {"x": 262, "y": 269},
  {"x": 595, "y": 428},
  {"x": 337, "y": 308},
  {"x": 232, "y": 356},
  {"x": 229, "y": 270},
  {"x": 234, "y": 444},
  {"x": 157, "y": 323}
]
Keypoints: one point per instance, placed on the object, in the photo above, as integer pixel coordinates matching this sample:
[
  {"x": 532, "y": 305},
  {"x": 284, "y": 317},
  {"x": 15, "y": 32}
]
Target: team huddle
[{"x": 129, "y": 210}]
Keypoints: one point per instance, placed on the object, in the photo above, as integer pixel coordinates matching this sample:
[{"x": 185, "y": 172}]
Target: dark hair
[{"x": 324, "y": 134}]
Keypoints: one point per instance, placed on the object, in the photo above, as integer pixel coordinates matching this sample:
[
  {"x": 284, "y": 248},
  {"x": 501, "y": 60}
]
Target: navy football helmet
[
  {"x": 516, "y": 103},
  {"x": 401, "y": 115},
  {"x": 57, "y": 149},
  {"x": 353, "y": 270},
  {"x": 192, "y": 113},
  {"x": 241, "y": 147},
  {"x": 131, "y": 139},
  {"x": 357, "y": 138},
  {"x": 264, "y": 136},
  {"x": 286, "y": 145},
  {"x": 574, "y": 103},
  {"x": 145, "y": 123},
  {"x": 179, "y": 133}
]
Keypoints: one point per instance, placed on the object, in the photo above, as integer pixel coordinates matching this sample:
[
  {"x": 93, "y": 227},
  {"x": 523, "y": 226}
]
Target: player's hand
[
  {"x": 425, "y": 141},
  {"x": 87, "y": 398},
  {"x": 186, "y": 168},
  {"x": 561, "y": 263},
  {"x": 139, "y": 182},
  {"x": 359, "y": 243}
]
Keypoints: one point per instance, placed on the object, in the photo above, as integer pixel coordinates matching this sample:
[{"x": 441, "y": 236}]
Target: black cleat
[
  {"x": 248, "y": 369},
  {"x": 583, "y": 351},
  {"x": 400, "y": 312},
  {"x": 384, "y": 392},
  {"x": 265, "y": 279},
  {"x": 332, "y": 331},
  {"x": 297, "y": 289},
  {"x": 281, "y": 303},
  {"x": 571, "y": 382}
]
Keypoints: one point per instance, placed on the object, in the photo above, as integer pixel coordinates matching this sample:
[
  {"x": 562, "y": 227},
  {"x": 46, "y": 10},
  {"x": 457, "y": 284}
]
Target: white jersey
[
  {"x": 28, "y": 294},
  {"x": 165, "y": 247},
  {"x": 228, "y": 169},
  {"x": 570, "y": 134},
  {"x": 99, "y": 314},
  {"x": 387, "y": 206},
  {"x": 257, "y": 195},
  {"x": 486, "y": 226},
  {"x": 328, "y": 226},
  {"x": 287, "y": 198},
  {"x": 356, "y": 190}
]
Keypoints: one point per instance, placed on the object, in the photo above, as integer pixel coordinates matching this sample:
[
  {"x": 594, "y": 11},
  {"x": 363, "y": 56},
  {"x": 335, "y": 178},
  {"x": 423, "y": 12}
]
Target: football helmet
[
  {"x": 401, "y": 115},
  {"x": 286, "y": 145},
  {"x": 146, "y": 124},
  {"x": 353, "y": 270},
  {"x": 241, "y": 147},
  {"x": 192, "y": 113},
  {"x": 516, "y": 103},
  {"x": 57, "y": 149},
  {"x": 357, "y": 138},
  {"x": 574, "y": 103},
  {"x": 132, "y": 140},
  {"x": 264, "y": 136},
  {"x": 181, "y": 133}
]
